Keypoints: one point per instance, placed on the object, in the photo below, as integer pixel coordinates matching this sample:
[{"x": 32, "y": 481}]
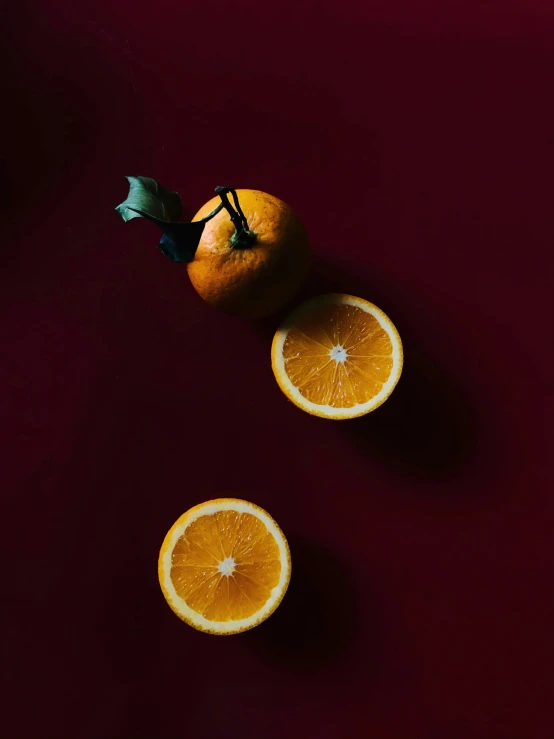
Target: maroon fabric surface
[{"x": 415, "y": 139}]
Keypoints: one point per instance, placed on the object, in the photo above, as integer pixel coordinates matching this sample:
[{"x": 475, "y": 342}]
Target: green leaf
[{"x": 147, "y": 198}]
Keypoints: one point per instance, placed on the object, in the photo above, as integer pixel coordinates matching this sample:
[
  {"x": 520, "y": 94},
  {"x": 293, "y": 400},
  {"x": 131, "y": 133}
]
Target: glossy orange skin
[{"x": 257, "y": 280}]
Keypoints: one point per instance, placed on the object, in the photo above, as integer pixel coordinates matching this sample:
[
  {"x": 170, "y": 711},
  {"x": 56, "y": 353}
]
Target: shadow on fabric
[
  {"x": 317, "y": 620},
  {"x": 428, "y": 426}
]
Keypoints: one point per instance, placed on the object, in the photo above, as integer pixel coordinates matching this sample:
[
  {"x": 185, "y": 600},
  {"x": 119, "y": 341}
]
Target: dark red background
[{"x": 416, "y": 141}]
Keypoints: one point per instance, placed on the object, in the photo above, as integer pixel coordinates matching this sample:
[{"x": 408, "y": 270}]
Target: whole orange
[{"x": 258, "y": 278}]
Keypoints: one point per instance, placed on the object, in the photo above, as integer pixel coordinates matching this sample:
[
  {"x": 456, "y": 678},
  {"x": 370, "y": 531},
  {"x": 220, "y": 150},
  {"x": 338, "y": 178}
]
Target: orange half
[
  {"x": 224, "y": 566},
  {"x": 337, "y": 356}
]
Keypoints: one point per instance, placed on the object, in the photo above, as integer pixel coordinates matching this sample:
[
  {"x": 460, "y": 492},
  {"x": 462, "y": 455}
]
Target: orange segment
[
  {"x": 216, "y": 538},
  {"x": 224, "y": 566},
  {"x": 337, "y": 356}
]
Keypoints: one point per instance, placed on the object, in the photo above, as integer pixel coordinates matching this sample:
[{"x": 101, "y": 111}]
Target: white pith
[
  {"x": 339, "y": 353},
  {"x": 227, "y": 566}
]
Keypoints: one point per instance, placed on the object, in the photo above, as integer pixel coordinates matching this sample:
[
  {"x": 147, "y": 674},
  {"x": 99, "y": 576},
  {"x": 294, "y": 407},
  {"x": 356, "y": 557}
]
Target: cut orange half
[
  {"x": 337, "y": 356},
  {"x": 224, "y": 566}
]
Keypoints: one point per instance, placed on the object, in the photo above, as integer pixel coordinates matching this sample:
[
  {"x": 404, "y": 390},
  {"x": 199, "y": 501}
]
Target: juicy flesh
[
  {"x": 338, "y": 355},
  {"x": 226, "y": 542}
]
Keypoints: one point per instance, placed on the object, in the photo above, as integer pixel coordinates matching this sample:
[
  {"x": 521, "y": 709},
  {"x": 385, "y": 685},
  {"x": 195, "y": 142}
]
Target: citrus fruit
[
  {"x": 337, "y": 356},
  {"x": 263, "y": 273},
  {"x": 248, "y": 258},
  {"x": 224, "y": 566}
]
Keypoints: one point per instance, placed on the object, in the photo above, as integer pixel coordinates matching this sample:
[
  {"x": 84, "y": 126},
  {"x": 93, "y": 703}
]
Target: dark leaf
[{"x": 184, "y": 247}]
